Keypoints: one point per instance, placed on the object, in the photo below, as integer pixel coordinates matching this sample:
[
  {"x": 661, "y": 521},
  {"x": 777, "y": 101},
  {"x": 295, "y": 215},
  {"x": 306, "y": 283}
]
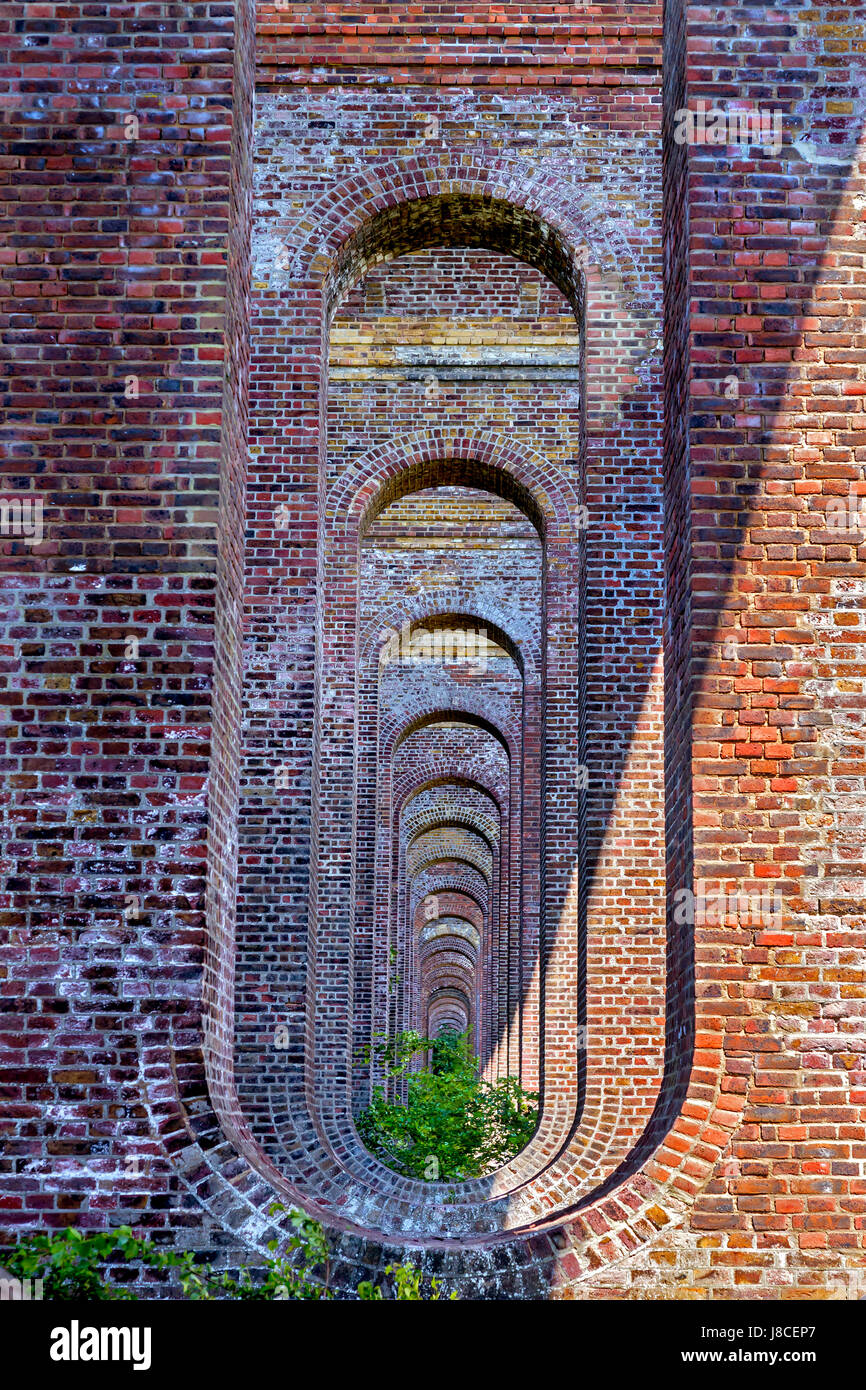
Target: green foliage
[
  {"x": 407, "y": 1287},
  {"x": 452, "y": 1125},
  {"x": 284, "y": 1277},
  {"x": 71, "y": 1265}
]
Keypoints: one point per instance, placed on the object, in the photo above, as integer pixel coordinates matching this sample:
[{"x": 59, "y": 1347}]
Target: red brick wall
[
  {"x": 737, "y": 762},
  {"x": 115, "y": 326},
  {"x": 776, "y": 317}
]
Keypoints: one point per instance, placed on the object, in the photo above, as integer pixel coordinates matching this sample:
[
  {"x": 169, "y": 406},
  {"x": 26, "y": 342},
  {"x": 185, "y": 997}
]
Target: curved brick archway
[
  {"x": 505, "y": 1018},
  {"x": 471, "y": 459},
  {"x": 514, "y": 637},
  {"x": 550, "y": 498},
  {"x": 747, "y": 1181},
  {"x": 459, "y": 803}
]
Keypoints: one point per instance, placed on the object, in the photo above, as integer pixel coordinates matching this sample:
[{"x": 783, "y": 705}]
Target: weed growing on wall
[{"x": 70, "y": 1266}]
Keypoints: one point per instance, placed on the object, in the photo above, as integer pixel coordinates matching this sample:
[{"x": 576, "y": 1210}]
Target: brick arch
[
  {"x": 330, "y": 234},
  {"x": 512, "y": 930},
  {"x": 447, "y": 803},
  {"x": 375, "y": 947},
  {"x": 456, "y": 947},
  {"x": 469, "y": 707},
  {"x": 433, "y": 818},
  {"x": 433, "y": 773},
  {"x": 480, "y": 815},
  {"x": 548, "y": 497},
  {"x": 435, "y": 770},
  {"x": 467, "y": 830},
  {"x": 430, "y": 879},
  {"x": 446, "y": 1012},
  {"x": 465, "y": 793},
  {"x": 452, "y": 990},
  {"x": 457, "y": 216},
  {"x": 441, "y": 1011},
  {"x": 447, "y": 953},
  {"x": 385, "y": 473},
  {"x": 504, "y": 626},
  {"x": 457, "y": 849},
  {"x": 466, "y": 457},
  {"x": 566, "y": 217},
  {"x": 334, "y": 708},
  {"x": 451, "y": 877},
  {"x": 501, "y": 1024},
  {"x": 456, "y": 904},
  {"x": 448, "y": 969},
  {"x": 448, "y": 924}
]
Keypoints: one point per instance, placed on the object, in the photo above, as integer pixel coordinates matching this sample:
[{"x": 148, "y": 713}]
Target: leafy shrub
[
  {"x": 452, "y": 1124},
  {"x": 70, "y": 1263},
  {"x": 284, "y": 1278},
  {"x": 407, "y": 1286}
]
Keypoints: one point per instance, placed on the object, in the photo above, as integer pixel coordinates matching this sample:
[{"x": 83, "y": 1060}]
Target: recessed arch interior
[
  {"x": 476, "y": 523},
  {"x": 430, "y": 515},
  {"x": 453, "y": 473},
  {"x": 457, "y": 219},
  {"x": 452, "y": 718}
]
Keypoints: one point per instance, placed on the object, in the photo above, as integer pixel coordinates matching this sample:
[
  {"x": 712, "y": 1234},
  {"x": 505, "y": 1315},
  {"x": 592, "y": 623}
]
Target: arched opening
[
  {"x": 398, "y": 440},
  {"x": 449, "y": 685},
  {"x": 451, "y": 577}
]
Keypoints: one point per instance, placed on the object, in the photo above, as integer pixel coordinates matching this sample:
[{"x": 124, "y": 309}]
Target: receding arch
[
  {"x": 437, "y": 613},
  {"x": 451, "y": 716},
  {"x": 458, "y": 456},
  {"x": 459, "y": 218},
  {"x": 349, "y": 1174},
  {"x": 452, "y": 821}
]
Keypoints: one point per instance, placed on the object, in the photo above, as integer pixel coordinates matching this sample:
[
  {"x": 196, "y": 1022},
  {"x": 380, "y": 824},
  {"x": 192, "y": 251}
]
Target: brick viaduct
[{"x": 437, "y": 588}]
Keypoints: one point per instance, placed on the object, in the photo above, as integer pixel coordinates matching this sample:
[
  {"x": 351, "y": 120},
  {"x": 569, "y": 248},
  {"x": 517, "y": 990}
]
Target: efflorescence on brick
[{"x": 440, "y": 567}]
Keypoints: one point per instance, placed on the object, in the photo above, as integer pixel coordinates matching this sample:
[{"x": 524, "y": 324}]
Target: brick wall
[
  {"x": 170, "y": 744},
  {"x": 121, "y": 199}
]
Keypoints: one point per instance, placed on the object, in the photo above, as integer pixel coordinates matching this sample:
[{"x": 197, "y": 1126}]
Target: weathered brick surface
[{"x": 196, "y": 716}]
